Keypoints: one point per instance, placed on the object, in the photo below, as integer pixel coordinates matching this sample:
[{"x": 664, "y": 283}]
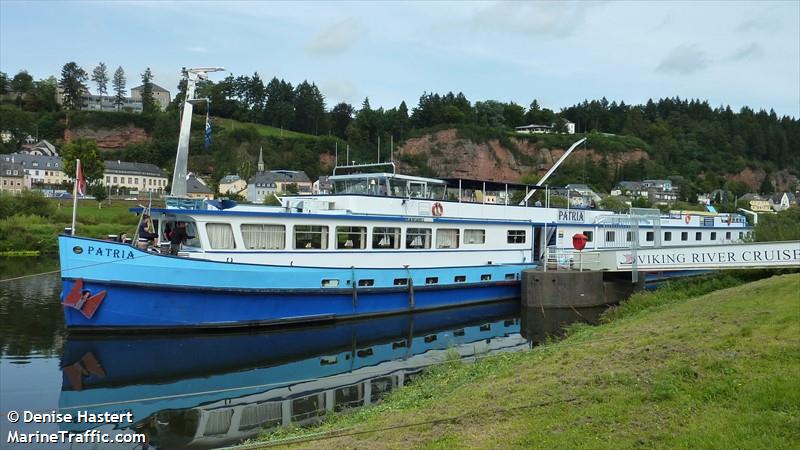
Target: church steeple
[{"x": 260, "y": 159}]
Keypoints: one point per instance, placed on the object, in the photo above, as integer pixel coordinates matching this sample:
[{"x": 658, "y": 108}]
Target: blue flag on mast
[{"x": 207, "y": 142}]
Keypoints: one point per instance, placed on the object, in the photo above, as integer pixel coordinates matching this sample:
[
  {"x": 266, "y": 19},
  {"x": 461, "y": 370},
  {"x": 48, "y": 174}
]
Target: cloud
[
  {"x": 339, "y": 90},
  {"x": 751, "y": 51},
  {"x": 533, "y": 19},
  {"x": 684, "y": 59},
  {"x": 336, "y": 38},
  {"x": 755, "y": 24}
]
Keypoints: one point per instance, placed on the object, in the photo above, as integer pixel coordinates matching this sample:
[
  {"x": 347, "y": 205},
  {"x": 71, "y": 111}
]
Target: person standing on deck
[{"x": 178, "y": 237}]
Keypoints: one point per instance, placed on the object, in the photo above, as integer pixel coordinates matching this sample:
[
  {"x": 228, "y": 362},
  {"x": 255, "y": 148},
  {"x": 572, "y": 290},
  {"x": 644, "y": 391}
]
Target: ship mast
[{"x": 181, "y": 158}]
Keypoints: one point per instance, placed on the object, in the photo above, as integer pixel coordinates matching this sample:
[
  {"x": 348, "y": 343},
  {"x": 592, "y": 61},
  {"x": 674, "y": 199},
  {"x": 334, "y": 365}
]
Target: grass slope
[
  {"x": 263, "y": 130},
  {"x": 719, "y": 370}
]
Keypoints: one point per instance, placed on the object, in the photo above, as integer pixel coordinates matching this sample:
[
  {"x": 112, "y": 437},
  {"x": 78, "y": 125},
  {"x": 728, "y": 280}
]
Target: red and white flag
[{"x": 80, "y": 182}]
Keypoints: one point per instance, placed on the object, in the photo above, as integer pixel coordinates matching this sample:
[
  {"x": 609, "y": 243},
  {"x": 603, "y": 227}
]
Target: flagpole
[{"x": 75, "y": 194}]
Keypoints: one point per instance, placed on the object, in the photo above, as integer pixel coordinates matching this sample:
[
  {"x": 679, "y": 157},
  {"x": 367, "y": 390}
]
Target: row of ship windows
[
  {"x": 368, "y": 282},
  {"x": 273, "y": 237},
  {"x": 667, "y": 236}
]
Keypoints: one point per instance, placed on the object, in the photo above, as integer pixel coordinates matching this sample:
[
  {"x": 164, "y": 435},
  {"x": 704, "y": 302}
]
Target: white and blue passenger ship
[{"x": 383, "y": 243}]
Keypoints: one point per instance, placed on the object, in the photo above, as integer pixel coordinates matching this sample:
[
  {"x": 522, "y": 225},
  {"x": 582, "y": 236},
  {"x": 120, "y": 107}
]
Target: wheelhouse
[{"x": 389, "y": 185}]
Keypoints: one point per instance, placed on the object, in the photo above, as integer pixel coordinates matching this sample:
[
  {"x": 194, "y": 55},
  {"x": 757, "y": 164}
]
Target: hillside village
[{"x": 517, "y": 156}]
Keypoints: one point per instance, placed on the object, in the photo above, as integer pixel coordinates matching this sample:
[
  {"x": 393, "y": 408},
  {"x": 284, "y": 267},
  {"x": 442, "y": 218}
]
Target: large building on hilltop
[{"x": 160, "y": 95}]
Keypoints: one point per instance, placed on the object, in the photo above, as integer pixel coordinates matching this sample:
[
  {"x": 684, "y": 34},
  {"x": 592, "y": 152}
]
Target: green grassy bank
[
  {"x": 710, "y": 364},
  {"x": 36, "y": 228}
]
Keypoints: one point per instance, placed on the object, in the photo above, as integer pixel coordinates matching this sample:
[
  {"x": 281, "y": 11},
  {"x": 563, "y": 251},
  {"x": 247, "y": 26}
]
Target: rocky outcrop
[
  {"x": 450, "y": 156},
  {"x": 109, "y": 138}
]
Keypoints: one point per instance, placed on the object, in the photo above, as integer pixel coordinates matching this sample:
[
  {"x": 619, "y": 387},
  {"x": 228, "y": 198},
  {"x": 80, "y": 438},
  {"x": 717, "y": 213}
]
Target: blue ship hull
[{"x": 146, "y": 290}]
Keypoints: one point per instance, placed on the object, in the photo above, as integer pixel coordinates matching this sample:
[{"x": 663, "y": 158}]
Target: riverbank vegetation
[
  {"x": 30, "y": 222},
  {"x": 686, "y": 366}
]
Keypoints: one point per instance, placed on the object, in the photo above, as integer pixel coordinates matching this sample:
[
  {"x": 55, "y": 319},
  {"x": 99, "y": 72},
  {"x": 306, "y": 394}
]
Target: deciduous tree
[{"x": 86, "y": 151}]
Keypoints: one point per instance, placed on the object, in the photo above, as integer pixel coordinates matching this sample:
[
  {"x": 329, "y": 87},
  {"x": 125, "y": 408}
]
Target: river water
[{"x": 218, "y": 389}]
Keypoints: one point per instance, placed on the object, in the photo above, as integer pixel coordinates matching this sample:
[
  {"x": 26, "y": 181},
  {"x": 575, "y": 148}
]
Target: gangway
[{"x": 754, "y": 255}]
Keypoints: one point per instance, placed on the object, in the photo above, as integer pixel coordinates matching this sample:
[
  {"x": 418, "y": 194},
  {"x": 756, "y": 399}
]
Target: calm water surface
[{"x": 218, "y": 389}]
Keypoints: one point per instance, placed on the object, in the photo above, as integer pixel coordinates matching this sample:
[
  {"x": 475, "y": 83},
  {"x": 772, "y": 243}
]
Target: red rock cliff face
[
  {"x": 449, "y": 156},
  {"x": 109, "y": 138}
]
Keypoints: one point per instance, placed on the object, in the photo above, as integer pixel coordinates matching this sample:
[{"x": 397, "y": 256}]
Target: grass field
[
  {"x": 680, "y": 368},
  {"x": 263, "y": 130},
  {"x": 37, "y": 233}
]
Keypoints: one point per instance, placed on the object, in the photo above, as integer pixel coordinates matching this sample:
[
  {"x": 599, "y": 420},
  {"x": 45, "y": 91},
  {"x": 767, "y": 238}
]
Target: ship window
[
  {"x": 610, "y": 236},
  {"x": 447, "y": 238},
  {"x": 366, "y": 282},
  {"x": 401, "y": 281},
  {"x": 218, "y": 422},
  {"x": 348, "y": 397},
  {"x": 260, "y": 415},
  {"x": 713, "y": 235},
  {"x": 728, "y": 235},
  {"x": 629, "y": 236},
  {"x": 331, "y": 283},
  {"x": 432, "y": 280},
  {"x": 220, "y": 235},
  {"x": 310, "y": 237},
  {"x": 474, "y": 236},
  {"x": 698, "y": 236},
  {"x": 460, "y": 278},
  {"x": 365, "y": 353},
  {"x": 741, "y": 235},
  {"x": 486, "y": 277},
  {"x": 350, "y": 238},
  {"x": 589, "y": 236},
  {"x": 263, "y": 237},
  {"x": 430, "y": 338},
  {"x": 399, "y": 344},
  {"x": 459, "y": 332},
  {"x": 308, "y": 406},
  {"x": 418, "y": 238},
  {"x": 383, "y": 237},
  {"x": 486, "y": 327},
  {"x": 650, "y": 236},
  {"x": 667, "y": 235},
  {"x": 516, "y": 236},
  {"x": 511, "y": 276},
  {"x": 684, "y": 236}
]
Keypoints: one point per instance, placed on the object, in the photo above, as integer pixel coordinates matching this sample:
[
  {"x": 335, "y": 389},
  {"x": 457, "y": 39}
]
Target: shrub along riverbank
[
  {"x": 709, "y": 363},
  {"x": 31, "y": 222}
]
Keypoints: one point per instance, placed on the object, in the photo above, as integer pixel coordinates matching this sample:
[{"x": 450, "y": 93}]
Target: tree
[
  {"x": 100, "y": 76},
  {"x": 148, "y": 102},
  {"x": 22, "y": 83},
  {"x": 99, "y": 192},
  {"x": 341, "y": 116},
  {"x": 118, "y": 83},
  {"x": 614, "y": 204},
  {"x": 766, "y": 187},
  {"x": 86, "y": 151},
  {"x": 72, "y": 84},
  {"x": 4, "y": 83},
  {"x": 43, "y": 96}
]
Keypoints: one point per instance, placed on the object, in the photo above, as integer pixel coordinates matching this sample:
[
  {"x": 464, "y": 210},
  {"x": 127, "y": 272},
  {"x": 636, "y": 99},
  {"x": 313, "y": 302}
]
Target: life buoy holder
[
  {"x": 687, "y": 218},
  {"x": 437, "y": 209}
]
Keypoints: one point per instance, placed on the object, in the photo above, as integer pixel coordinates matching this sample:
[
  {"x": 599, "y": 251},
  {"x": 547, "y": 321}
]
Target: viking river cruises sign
[{"x": 736, "y": 256}]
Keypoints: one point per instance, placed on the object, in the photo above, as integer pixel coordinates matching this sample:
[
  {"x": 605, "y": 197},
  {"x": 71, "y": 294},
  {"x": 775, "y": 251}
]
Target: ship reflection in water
[{"x": 211, "y": 390}]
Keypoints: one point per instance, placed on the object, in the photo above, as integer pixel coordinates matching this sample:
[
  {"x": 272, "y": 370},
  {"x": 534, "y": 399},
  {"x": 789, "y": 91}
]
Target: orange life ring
[
  {"x": 437, "y": 209},
  {"x": 687, "y": 219}
]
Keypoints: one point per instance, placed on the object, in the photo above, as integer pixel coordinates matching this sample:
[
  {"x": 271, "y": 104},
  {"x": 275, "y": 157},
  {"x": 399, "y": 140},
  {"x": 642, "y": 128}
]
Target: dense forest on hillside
[{"x": 683, "y": 137}]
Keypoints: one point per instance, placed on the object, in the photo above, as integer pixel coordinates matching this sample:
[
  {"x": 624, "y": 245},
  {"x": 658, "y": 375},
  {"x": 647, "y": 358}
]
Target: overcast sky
[{"x": 737, "y": 53}]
